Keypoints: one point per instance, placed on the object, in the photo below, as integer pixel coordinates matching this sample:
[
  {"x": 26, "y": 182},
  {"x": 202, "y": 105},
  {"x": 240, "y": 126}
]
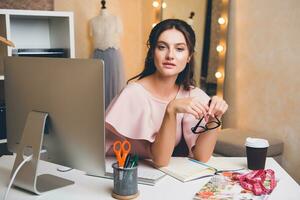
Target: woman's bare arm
[{"x": 163, "y": 146}]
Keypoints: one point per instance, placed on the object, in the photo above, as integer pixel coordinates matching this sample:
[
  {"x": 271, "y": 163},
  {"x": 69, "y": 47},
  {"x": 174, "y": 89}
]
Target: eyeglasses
[{"x": 215, "y": 123}]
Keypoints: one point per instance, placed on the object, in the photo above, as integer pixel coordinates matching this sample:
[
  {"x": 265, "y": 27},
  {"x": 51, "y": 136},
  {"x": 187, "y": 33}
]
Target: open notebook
[
  {"x": 186, "y": 169},
  {"x": 147, "y": 174}
]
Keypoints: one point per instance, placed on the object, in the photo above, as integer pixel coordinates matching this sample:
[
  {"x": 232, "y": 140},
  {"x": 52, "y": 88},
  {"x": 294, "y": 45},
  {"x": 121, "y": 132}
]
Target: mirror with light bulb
[{"x": 209, "y": 21}]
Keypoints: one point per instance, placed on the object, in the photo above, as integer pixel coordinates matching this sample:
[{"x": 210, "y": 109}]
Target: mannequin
[
  {"x": 190, "y": 20},
  {"x": 105, "y": 30}
]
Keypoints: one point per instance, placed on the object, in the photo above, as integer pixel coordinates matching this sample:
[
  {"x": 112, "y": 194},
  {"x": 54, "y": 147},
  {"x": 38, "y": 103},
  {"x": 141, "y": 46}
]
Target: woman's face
[{"x": 171, "y": 53}]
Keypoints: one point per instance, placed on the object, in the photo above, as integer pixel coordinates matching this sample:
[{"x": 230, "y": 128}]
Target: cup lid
[{"x": 256, "y": 142}]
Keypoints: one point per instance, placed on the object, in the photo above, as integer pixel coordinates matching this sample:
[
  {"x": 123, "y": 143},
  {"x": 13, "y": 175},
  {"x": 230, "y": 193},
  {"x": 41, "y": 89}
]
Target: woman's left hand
[{"x": 217, "y": 107}]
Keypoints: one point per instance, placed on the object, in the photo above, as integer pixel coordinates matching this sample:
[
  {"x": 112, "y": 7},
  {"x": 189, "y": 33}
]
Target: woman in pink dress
[{"x": 163, "y": 109}]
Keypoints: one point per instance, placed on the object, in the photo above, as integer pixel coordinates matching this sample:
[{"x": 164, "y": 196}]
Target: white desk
[{"x": 90, "y": 188}]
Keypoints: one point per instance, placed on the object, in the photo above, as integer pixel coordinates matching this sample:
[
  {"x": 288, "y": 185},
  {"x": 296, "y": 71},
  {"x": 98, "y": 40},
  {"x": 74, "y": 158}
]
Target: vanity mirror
[{"x": 209, "y": 18}]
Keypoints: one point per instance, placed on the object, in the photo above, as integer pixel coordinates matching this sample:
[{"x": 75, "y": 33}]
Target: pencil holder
[{"x": 125, "y": 182}]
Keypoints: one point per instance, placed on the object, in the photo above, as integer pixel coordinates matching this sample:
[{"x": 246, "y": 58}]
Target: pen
[
  {"x": 127, "y": 161},
  {"x": 134, "y": 161},
  {"x": 202, "y": 163}
]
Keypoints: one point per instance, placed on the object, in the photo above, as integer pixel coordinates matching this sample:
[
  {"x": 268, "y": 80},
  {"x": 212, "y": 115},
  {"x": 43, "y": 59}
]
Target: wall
[
  {"x": 261, "y": 84},
  {"x": 132, "y": 14},
  {"x": 27, "y": 4}
]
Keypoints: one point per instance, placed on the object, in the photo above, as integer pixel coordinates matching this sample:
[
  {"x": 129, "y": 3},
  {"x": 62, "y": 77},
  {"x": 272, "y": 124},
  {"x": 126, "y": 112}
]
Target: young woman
[{"x": 163, "y": 107}]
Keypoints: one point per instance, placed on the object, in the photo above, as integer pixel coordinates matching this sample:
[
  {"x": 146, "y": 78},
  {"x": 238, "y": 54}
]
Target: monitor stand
[{"x": 32, "y": 140}]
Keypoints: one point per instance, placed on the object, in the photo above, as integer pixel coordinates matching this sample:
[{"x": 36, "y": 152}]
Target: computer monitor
[{"x": 71, "y": 91}]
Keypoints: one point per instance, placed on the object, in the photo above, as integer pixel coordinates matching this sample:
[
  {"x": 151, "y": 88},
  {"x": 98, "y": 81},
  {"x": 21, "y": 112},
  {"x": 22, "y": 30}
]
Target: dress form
[
  {"x": 106, "y": 30},
  {"x": 190, "y": 20}
]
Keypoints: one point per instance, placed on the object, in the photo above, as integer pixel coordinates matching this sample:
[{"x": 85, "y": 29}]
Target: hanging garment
[{"x": 114, "y": 72}]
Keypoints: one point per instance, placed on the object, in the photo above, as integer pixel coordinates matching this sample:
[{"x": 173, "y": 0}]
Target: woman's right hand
[{"x": 191, "y": 105}]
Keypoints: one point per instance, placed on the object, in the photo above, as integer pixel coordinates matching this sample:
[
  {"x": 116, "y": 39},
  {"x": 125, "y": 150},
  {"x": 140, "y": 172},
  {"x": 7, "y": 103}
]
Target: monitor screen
[{"x": 71, "y": 91}]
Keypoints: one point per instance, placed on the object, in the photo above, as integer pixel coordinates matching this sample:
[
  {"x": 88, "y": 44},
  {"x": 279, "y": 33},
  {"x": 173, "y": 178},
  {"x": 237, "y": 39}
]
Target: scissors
[{"x": 121, "y": 150}]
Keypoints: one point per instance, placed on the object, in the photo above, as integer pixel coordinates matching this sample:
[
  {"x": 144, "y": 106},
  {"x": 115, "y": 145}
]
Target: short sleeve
[
  {"x": 190, "y": 121},
  {"x": 129, "y": 115}
]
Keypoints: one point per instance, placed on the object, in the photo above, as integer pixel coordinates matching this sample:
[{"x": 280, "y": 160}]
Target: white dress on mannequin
[{"x": 106, "y": 29}]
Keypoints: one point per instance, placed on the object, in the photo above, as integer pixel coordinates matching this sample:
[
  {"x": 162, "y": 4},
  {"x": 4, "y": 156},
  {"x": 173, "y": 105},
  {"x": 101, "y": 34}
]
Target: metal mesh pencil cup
[{"x": 125, "y": 181}]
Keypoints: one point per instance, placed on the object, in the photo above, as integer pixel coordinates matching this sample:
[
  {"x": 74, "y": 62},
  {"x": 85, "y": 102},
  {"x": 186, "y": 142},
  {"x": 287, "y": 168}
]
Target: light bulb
[
  {"x": 164, "y": 5},
  {"x": 218, "y": 74},
  {"x": 221, "y": 20},
  {"x": 155, "y": 4},
  {"x": 220, "y": 48}
]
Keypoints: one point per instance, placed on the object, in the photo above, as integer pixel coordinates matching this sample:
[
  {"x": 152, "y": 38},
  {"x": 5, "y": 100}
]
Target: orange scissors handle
[{"x": 121, "y": 150}]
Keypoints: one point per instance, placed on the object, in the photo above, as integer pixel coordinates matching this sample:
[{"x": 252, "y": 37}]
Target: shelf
[{"x": 29, "y": 29}]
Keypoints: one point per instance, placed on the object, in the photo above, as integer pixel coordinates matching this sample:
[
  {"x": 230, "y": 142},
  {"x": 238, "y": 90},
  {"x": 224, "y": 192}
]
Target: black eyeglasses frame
[{"x": 206, "y": 128}]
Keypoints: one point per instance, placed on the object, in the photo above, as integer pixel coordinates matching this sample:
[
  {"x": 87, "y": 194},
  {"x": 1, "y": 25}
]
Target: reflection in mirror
[{"x": 204, "y": 16}]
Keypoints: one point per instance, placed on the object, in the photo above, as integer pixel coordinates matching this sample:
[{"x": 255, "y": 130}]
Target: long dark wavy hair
[{"x": 186, "y": 77}]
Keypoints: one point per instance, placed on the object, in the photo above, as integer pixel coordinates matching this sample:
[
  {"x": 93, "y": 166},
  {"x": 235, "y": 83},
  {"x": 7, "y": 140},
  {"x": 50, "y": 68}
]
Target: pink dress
[{"x": 137, "y": 116}]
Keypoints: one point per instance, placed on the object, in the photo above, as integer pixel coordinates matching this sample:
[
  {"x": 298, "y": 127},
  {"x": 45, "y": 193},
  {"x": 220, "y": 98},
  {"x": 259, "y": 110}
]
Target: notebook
[
  {"x": 147, "y": 174},
  {"x": 186, "y": 169}
]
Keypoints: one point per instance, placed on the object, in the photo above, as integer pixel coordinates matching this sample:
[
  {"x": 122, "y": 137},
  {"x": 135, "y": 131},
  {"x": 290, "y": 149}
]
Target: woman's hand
[
  {"x": 205, "y": 143},
  {"x": 194, "y": 106},
  {"x": 191, "y": 105},
  {"x": 217, "y": 107}
]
